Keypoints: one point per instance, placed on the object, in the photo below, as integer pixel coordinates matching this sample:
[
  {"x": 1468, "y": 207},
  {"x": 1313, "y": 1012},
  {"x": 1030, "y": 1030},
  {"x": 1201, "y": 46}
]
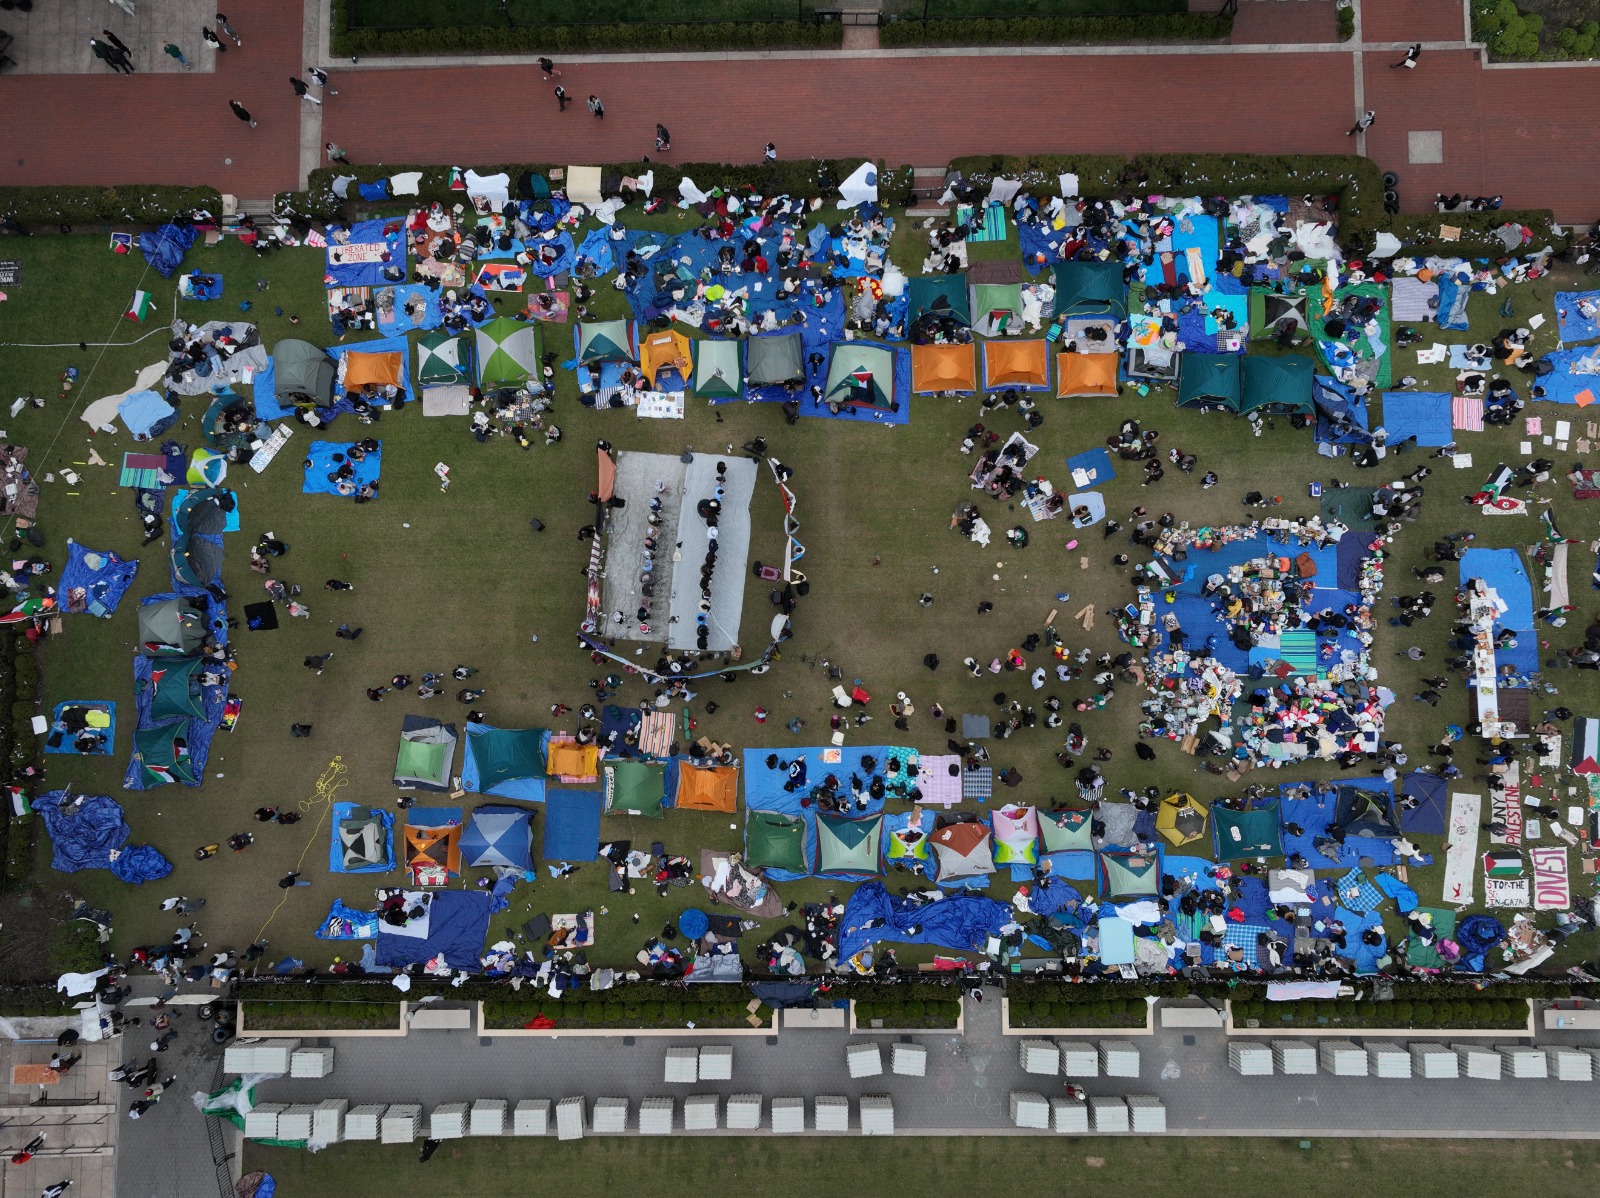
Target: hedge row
[
  {"x": 1438, "y": 1013},
  {"x": 912, "y": 1013},
  {"x": 1420, "y": 234},
  {"x": 1097, "y": 1012},
  {"x": 314, "y": 1016},
  {"x": 1055, "y": 31},
  {"x": 34, "y": 1000},
  {"x": 625, "y": 1007},
  {"x": 19, "y": 748},
  {"x": 134, "y": 203}
]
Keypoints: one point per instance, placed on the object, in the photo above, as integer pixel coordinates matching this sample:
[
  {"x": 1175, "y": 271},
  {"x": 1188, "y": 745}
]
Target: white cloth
[
  {"x": 74, "y": 984},
  {"x": 405, "y": 183},
  {"x": 494, "y": 188},
  {"x": 692, "y": 194},
  {"x": 861, "y": 187},
  {"x": 341, "y": 185}
]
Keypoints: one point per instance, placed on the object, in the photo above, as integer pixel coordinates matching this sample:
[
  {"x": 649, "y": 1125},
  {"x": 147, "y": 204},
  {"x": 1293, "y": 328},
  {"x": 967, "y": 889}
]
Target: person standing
[
  {"x": 303, "y": 91},
  {"x": 172, "y": 50},
  {"x": 222, "y": 24},
  {"x": 562, "y": 99},
  {"x": 1365, "y": 123},
  {"x": 336, "y": 154},
  {"x": 663, "y": 138},
  {"x": 770, "y": 154},
  {"x": 549, "y": 69},
  {"x": 243, "y": 113},
  {"x": 1409, "y": 62},
  {"x": 320, "y": 78},
  {"x": 211, "y": 39},
  {"x": 596, "y": 107}
]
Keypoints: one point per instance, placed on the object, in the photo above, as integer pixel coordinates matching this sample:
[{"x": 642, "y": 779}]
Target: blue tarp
[
  {"x": 1453, "y": 294},
  {"x": 104, "y": 577},
  {"x": 1502, "y": 570},
  {"x": 1333, "y": 398},
  {"x": 572, "y": 825},
  {"x": 961, "y": 922},
  {"x": 1573, "y": 325},
  {"x": 1576, "y": 371},
  {"x": 164, "y": 249},
  {"x": 397, "y": 344},
  {"x": 1423, "y": 414},
  {"x": 62, "y": 737},
  {"x": 86, "y": 837},
  {"x": 391, "y": 304},
  {"x": 1477, "y": 934},
  {"x": 346, "y": 923},
  {"x": 388, "y": 233},
  {"x": 901, "y": 394},
  {"x": 141, "y": 863},
  {"x": 201, "y": 286},
  {"x": 458, "y": 922},
  {"x": 144, "y": 413},
  {"x": 1096, "y": 462},
  {"x": 1428, "y": 817},
  {"x": 325, "y": 457}
]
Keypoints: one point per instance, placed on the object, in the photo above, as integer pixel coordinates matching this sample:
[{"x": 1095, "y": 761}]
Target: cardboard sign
[{"x": 10, "y": 272}]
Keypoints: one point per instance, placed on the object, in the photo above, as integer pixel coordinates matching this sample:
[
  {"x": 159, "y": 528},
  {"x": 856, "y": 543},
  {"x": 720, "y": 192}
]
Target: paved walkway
[{"x": 1451, "y": 124}]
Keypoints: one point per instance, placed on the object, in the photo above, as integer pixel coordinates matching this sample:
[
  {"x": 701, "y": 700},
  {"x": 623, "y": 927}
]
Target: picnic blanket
[
  {"x": 324, "y": 458},
  {"x": 1466, "y": 414}
]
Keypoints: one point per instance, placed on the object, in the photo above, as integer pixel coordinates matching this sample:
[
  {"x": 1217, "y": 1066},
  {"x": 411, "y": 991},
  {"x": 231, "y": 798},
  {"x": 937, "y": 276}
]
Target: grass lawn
[
  {"x": 1165, "y": 1168},
  {"x": 455, "y": 578}
]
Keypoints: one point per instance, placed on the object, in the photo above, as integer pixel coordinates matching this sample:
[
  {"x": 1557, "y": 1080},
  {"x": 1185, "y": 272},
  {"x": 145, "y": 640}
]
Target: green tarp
[
  {"x": 508, "y": 353},
  {"x": 1090, "y": 289},
  {"x": 636, "y": 788},
  {"x": 774, "y": 841},
  {"x": 717, "y": 374},
  {"x": 1125, "y": 873},
  {"x": 774, "y": 360}
]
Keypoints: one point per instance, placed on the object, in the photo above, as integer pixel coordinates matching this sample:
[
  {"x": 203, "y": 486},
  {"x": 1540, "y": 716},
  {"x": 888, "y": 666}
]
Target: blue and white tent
[{"x": 499, "y": 835}]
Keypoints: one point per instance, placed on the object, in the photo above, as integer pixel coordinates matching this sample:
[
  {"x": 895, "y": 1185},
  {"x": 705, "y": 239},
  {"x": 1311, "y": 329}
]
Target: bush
[
  {"x": 134, "y": 203},
  {"x": 1035, "y": 31},
  {"x": 1347, "y": 22},
  {"x": 570, "y": 39},
  {"x": 75, "y": 948}
]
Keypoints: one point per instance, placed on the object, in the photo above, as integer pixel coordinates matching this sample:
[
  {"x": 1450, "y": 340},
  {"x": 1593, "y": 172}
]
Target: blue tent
[
  {"x": 499, "y": 835},
  {"x": 509, "y": 762}
]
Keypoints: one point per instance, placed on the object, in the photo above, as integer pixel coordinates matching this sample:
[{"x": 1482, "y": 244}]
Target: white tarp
[
  {"x": 1461, "y": 859},
  {"x": 861, "y": 187}
]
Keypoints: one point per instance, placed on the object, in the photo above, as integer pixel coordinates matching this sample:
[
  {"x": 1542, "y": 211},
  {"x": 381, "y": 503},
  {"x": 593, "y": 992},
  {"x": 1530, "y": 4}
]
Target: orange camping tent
[
  {"x": 1086, "y": 375},
  {"x": 375, "y": 370},
  {"x": 708, "y": 789},
  {"x": 666, "y": 350},
  {"x": 1015, "y": 364},
  {"x": 936, "y": 368}
]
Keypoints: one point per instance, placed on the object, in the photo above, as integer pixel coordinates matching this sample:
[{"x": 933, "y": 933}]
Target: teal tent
[
  {"x": 508, "y": 353},
  {"x": 938, "y": 296},
  {"x": 606, "y": 341},
  {"x": 636, "y": 788},
  {"x": 1209, "y": 382},
  {"x": 162, "y": 755},
  {"x": 173, "y": 627},
  {"x": 1281, "y": 385},
  {"x": 175, "y": 684},
  {"x": 302, "y": 374},
  {"x": 1129, "y": 873},
  {"x": 860, "y": 375},
  {"x": 1252, "y": 833},
  {"x": 1067, "y": 831},
  {"x": 717, "y": 375},
  {"x": 775, "y": 841},
  {"x": 848, "y": 847},
  {"x": 1093, "y": 288}
]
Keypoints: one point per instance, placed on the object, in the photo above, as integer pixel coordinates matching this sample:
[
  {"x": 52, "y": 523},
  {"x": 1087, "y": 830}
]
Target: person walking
[
  {"x": 549, "y": 69},
  {"x": 596, "y": 107},
  {"x": 289, "y": 880},
  {"x": 663, "y": 138},
  {"x": 1365, "y": 123},
  {"x": 57, "y": 1190},
  {"x": 106, "y": 53},
  {"x": 211, "y": 39},
  {"x": 336, "y": 154},
  {"x": 243, "y": 113},
  {"x": 316, "y": 661},
  {"x": 116, "y": 41},
  {"x": 770, "y": 154},
  {"x": 25, "y": 1154},
  {"x": 320, "y": 78},
  {"x": 172, "y": 50},
  {"x": 222, "y": 24},
  {"x": 562, "y": 99},
  {"x": 1409, "y": 62},
  {"x": 63, "y": 1065},
  {"x": 302, "y": 90}
]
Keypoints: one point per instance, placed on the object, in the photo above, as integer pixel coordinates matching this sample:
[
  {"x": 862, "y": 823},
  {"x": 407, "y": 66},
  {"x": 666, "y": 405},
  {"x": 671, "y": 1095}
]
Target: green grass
[
  {"x": 457, "y": 577},
  {"x": 1178, "y": 1167}
]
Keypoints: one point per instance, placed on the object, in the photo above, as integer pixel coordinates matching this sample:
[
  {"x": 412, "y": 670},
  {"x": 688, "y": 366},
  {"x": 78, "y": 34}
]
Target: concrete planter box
[
  {"x": 866, "y": 1029},
  {"x": 1080, "y": 1033},
  {"x": 1278, "y": 1031}
]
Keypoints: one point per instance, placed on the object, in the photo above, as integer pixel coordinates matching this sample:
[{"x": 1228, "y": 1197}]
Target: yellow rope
[{"x": 327, "y": 786}]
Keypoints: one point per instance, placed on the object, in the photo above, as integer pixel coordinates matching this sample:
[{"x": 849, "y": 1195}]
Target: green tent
[
  {"x": 426, "y": 753},
  {"x": 1093, "y": 288},
  {"x": 606, "y": 341},
  {"x": 162, "y": 755},
  {"x": 860, "y": 375},
  {"x": 1129, "y": 873},
  {"x": 1209, "y": 382},
  {"x": 443, "y": 360},
  {"x": 1067, "y": 831},
  {"x": 717, "y": 375},
  {"x": 1280, "y": 385},
  {"x": 508, "y": 353},
  {"x": 176, "y": 688},
  {"x": 171, "y": 628},
  {"x": 636, "y": 788},
  {"x": 774, "y": 360},
  {"x": 501, "y": 755},
  {"x": 301, "y": 372},
  {"x": 996, "y": 308},
  {"x": 775, "y": 841},
  {"x": 938, "y": 295},
  {"x": 848, "y": 846},
  {"x": 1252, "y": 833}
]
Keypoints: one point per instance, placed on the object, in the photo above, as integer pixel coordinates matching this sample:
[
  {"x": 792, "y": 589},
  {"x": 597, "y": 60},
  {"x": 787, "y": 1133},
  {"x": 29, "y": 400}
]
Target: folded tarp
[
  {"x": 962, "y": 922},
  {"x": 346, "y": 923},
  {"x": 164, "y": 248},
  {"x": 139, "y": 864},
  {"x": 84, "y": 830},
  {"x": 101, "y": 576}
]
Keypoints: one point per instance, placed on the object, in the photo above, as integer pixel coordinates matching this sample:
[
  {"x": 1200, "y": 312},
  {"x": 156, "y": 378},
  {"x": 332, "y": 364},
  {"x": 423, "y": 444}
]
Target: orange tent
[
  {"x": 1086, "y": 375},
  {"x": 708, "y": 789},
  {"x": 377, "y": 370},
  {"x": 936, "y": 368},
  {"x": 607, "y": 473},
  {"x": 662, "y": 351},
  {"x": 569, "y": 759},
  {"x": 433, "y": 853},
  {"x": 1015, "y": 364}
]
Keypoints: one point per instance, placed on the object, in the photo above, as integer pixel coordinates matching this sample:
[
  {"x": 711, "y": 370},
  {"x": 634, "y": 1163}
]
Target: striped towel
[
  {"x": 1466, "y": 413},
  {"x": 655, "y": 733},
  {"x": 1298, "y": 648}
]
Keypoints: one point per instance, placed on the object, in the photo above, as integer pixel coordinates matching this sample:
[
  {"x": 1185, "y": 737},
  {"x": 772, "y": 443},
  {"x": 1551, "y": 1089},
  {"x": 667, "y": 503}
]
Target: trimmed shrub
[
  {"x": 574, "y": 39},
  {"x": 1037, "y": 31},
  {"x": 133, "y": 203}
]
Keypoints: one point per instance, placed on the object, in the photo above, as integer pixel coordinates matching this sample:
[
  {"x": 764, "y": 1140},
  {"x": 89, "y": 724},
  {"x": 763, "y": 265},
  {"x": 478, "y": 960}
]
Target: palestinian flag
[
  {"x": 142, "y": 304},
  {"x": 1585, "y": 746},
  {"x": 1502, "y": 863}
]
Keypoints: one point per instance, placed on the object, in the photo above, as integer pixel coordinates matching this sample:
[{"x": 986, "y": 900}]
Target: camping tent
[
  {"x": 197, "y": 525},
  {"x": 500, "y": 836},
  {"x": 939, "y": 297},
  {"x": 1252, "y": 833},
  {"x": 775, "y": 841},
  {"x": 1016, "y": 836},
  {"x": 636, "y": 788},
  {"x": 1209, "y": 382},
  {"x": 848, "y": 847},
  {"x": 364, "y": 369},
  {"x": 509, "y": 762},
  {"x": 962, "y": 849},
  {"x": 1181, "y": 818},
  {"x": 717, "y": 375},
  {"x": 707, "y": 788},
  {"x": 1271, "y": 312},
  {"x": 1022, "y": 364},
  {"x": 860, "y": 374},
  {"x": 1090, "y": 288},
  {"x": 774, "y": 360},
  {"x": 1366, "y": 811},
  {"x": 1279, "y": 384},
  {"x": 444, "y": 362},
  {"x": 667, "y": 350},
  {"x": 606, "y": 341},
  {"x": 1086, "y": 376},
  {"x": 1067, "y": 831},
  {"x": 947, "y": 367},
  {"x": 507, "y": 352},
  {"x": 1129, "y": 873},
  {"x": 996, "y": 308},
  {"x": 171, "y": 628},
  {"x": 175, "y": 688},
  {"x": 301, "y": 372},
  {"x": 363, "y": 840},
  {"x": 433, "y": 844},
  {"x": 426, "y": 753},
  {"x": 162, "y": 755}
]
